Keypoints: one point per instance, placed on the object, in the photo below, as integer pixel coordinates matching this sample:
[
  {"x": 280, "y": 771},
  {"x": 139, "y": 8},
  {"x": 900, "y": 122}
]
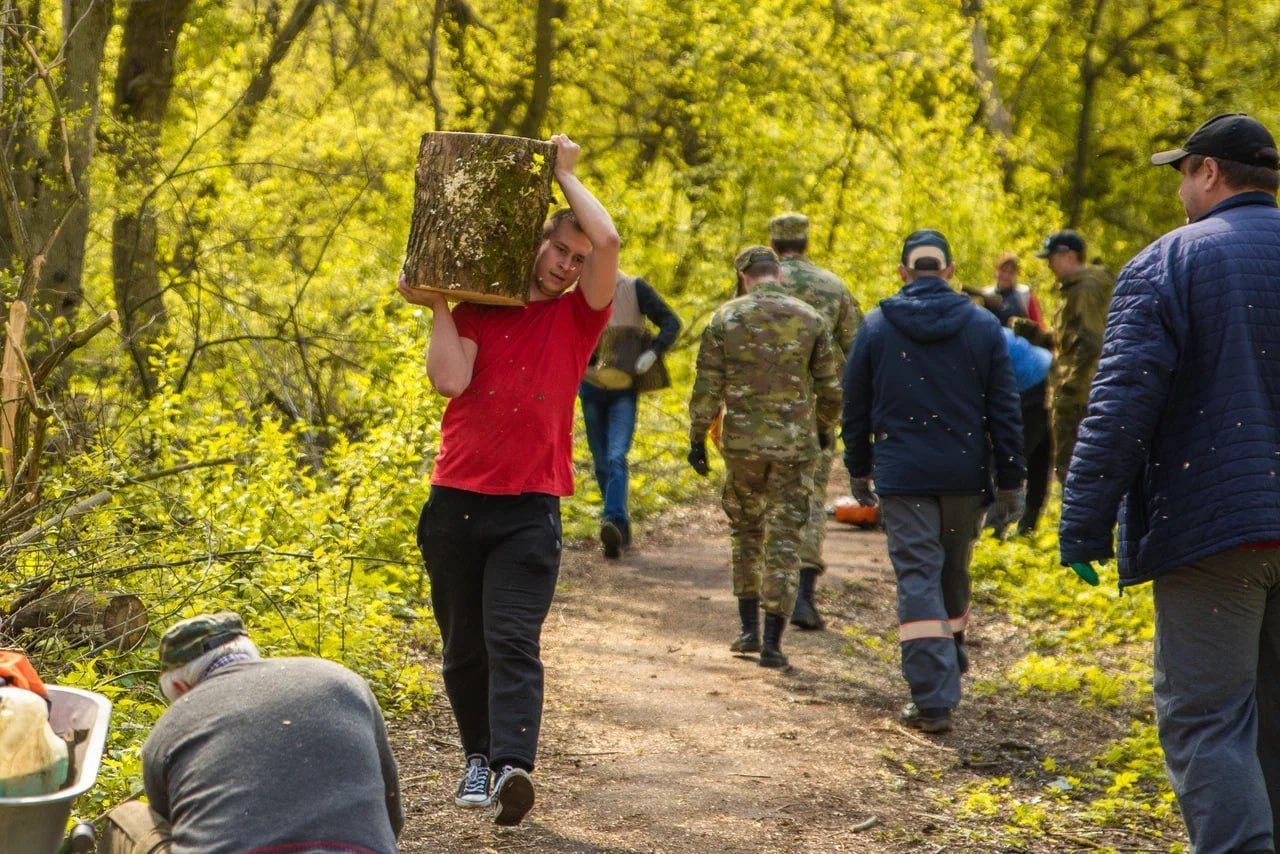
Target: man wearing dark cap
[
  {"x": 929, "y": 384},
  {"x": 1182, "y": 443},
  {"x": 1085, "y": 293},
  {"x": 766, "y": 358},
  {"x": 824, "y": 292},
  {"x": 259, "y": 754}
]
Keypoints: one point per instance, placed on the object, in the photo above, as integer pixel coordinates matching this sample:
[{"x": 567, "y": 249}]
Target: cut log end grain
[{"x": 480, "y": 201}]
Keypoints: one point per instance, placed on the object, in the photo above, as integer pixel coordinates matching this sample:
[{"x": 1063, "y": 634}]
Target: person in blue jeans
[{"x": 627, "y": 361}]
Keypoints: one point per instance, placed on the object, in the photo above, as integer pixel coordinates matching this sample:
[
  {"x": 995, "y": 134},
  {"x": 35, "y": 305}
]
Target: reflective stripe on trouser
[
  {"x": 134, "y": 828},
  {"x": 815, "y": 532},
  {"x": 930, "y": 543},
  {"x": 1217, "y": 695},
  {"x": 767, "y": 503}
]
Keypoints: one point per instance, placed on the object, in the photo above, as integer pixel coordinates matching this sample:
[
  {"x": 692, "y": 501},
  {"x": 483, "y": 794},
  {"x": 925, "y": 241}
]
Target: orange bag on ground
[
  {"x": 849, "y": 512},
  {"x": 15, "y": 670}
]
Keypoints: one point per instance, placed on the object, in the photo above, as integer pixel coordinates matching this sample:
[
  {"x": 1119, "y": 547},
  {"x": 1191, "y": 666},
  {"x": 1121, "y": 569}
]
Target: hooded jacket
[{"x": 929, "y": 383}]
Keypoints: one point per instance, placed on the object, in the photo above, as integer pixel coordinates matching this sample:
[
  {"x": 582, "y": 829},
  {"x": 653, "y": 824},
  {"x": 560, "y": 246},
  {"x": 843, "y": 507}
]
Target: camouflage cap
[
  {"x": 789, "y": 226},
  {"x": 751, "y": 255},
  {"x": 191, "y": 638}
]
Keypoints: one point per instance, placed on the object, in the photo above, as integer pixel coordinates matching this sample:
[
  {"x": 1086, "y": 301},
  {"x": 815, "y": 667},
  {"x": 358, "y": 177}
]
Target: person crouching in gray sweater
[{"x": 259, "y": 754}]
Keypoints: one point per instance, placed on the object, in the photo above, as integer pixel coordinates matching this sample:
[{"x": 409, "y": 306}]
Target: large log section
[{"x": 478, "y": 211}]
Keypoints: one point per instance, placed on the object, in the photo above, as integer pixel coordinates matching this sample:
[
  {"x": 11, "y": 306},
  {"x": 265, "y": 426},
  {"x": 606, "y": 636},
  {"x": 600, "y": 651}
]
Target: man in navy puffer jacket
[
  {"x": 929, "y": 379},
  {"x": 1184, "y": 425}
]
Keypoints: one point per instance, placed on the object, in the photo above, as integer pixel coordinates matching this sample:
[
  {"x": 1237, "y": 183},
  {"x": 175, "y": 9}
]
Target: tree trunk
[
  {"x": 144, "y": 82},
  {"x": 549, "y": 11},
  {"x": 51, "y": 172},
  {"x": 1089, "y": 77},
  {"x": 999, "y": 121},
  {"x": 479, "y": 205},
  {"x": 260, "y": 85}
]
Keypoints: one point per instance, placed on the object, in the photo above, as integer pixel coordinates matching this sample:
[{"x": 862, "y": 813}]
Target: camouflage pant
[
  {"x": 815, "y": 533},
  {"x": 767, "y": 503},
  {"x": 133, "y": 828},
  {"x": 1067, "y": 416}
]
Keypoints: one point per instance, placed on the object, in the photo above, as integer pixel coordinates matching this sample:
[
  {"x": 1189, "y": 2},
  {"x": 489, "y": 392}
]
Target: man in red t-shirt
[{"x": 490, "y": 531}]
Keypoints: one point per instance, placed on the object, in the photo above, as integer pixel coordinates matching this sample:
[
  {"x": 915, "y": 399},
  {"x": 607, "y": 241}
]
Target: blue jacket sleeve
[
  {"x": 858, "y": 398},
  {"x": 1004, "y": 417},
  {"x": 1129, "y": 393}
]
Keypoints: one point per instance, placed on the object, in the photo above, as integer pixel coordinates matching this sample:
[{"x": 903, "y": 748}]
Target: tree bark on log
[
  {"x": 479, "y": 206},
  {"x": 84, "y": 616}
]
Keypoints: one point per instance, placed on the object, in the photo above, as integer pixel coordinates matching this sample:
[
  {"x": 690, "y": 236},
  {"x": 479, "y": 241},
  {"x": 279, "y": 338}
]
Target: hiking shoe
[
  {"x": 512, "y": 796},
  {"x": 746, "y": 642},
  {"x": 611, "y": 539},
  {"x": 473, "y": 789},
  {"x": 926, "y": 720}
]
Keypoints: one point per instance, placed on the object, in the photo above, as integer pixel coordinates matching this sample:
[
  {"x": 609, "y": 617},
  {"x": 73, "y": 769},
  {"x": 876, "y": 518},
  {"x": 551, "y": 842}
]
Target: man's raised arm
[{"x": 600, "y": 272}]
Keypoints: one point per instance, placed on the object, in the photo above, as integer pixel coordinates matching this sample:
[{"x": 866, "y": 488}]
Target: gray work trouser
[
  {"x": 1217, "y": 693},
  {"x": 930, "y": 543}
]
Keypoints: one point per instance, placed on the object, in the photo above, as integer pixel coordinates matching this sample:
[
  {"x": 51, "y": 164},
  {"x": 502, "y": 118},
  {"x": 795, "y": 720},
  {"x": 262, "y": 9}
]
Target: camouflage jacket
[
  {"x": 826, "y": 294},
  {"x": 768, "y": 359},
  {"x": 1080, "y": 323}
]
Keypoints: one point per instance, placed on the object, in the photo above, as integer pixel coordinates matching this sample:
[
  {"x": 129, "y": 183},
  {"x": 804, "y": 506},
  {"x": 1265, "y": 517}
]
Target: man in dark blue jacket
[
  {"x": 929, "y": 380},
  {"x": 1184, "y": 425}
]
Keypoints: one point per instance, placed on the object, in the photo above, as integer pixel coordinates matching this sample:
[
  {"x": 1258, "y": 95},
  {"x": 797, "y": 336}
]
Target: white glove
[{"x": 645, "y": 361}]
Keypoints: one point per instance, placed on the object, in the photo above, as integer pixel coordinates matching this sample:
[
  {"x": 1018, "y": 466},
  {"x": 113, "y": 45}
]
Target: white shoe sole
[
  {"x": 513, "y": 796},
  {"x": 467, "y": 803}
]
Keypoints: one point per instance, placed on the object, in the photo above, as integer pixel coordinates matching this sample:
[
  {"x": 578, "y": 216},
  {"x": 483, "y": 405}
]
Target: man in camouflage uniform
[
  {"x": 826, "y": 294},
  {"x": 767, "y": 358},
  {"x": 1081, "y": 319}
]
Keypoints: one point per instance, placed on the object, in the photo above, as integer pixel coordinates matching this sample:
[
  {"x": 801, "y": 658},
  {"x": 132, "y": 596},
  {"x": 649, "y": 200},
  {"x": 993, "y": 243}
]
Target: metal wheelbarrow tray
[{"x": 37, "y": 824}]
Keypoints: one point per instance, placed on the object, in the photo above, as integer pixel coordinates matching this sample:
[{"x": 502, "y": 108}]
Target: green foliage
[{"x": 281, "y": 228}]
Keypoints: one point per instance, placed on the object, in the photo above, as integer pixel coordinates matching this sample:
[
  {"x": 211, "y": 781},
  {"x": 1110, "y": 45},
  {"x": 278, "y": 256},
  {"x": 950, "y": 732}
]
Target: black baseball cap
[
  {"x": 1229, "y": 136},
  {"x": 926, "y": 249},
  {"x": 1060, "y": 240}
]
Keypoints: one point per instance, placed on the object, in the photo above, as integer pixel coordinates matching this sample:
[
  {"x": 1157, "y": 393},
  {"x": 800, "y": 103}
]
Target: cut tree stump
[
  {"x": 84, "y": 616},
  {"x": 479, "y": 206}
]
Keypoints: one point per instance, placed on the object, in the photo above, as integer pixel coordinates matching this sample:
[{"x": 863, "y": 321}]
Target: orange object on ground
[
  {"x": 15, "y": 670},
  {"x": 849, "y": 512}
]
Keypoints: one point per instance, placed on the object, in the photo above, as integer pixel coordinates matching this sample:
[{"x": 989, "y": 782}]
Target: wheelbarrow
[{"x": 38, "y": 824}]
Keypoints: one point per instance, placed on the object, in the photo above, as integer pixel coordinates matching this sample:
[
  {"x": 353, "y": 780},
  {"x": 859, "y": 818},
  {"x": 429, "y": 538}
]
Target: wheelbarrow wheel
[{"x": 82, "y": 839}]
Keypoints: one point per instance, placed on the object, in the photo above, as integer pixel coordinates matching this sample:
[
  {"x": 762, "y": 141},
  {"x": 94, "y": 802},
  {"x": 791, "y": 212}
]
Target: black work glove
[
  {"x": 825, "y": 439},
  {"x": 860, "y": 488},
  {"x": 698, "y": 457}
]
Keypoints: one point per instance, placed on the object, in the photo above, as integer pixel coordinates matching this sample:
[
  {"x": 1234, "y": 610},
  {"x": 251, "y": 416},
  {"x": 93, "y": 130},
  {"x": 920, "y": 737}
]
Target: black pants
[
  {"x": 493, "y": 562},
  {"x": 1037, "y": 447}
]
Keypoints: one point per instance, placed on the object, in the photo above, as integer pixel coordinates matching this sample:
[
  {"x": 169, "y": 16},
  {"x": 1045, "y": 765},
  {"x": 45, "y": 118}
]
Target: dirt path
[{"x": 656, "y": 738}]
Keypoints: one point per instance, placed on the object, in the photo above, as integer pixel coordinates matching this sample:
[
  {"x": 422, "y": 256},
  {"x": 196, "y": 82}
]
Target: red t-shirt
[{"x": 511, "y": 431}]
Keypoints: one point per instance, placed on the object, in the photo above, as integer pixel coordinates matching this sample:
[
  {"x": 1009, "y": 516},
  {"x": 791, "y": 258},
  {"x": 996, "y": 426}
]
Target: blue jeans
[{"x": 610, "y": 417}]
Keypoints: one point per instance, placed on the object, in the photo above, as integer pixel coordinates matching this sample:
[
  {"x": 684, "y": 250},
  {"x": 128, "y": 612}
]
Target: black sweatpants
[
  {"x": 1037, "y": 449},
  {"x": 493, "y": 562}
]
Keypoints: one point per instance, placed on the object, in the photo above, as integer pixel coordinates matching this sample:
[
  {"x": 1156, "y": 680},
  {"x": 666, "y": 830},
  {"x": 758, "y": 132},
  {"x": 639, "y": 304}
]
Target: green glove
[{"x": 1086, "y": 572}]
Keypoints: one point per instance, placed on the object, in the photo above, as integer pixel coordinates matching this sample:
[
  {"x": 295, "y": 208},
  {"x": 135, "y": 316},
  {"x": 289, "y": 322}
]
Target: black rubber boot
[
  {"x": 771, "y": 655},
  {"x": 749, "y": 614},
  {"x": 805, "y": 615}
]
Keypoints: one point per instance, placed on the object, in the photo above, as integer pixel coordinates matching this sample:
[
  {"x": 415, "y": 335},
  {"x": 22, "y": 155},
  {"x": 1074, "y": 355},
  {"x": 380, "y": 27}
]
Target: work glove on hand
[
  {"x": 1086, "y": 572},
  {"x": 860, "y": 489},
  {"x": 698, "y": 457},
  {"x": 1008, "y": 507},
  {"x": 825, "y": 439},
  {"x": 645, "y": 361}
]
